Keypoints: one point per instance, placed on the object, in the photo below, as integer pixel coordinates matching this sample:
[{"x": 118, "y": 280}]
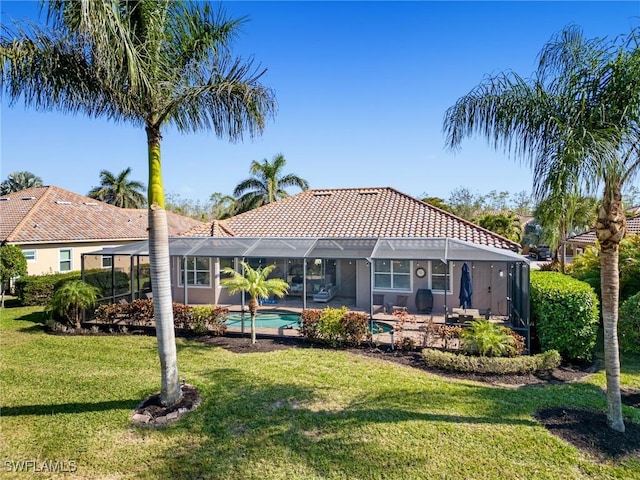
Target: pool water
[
  {"x": 380, "y": 327},
  {"x": 265, "y": 320}
]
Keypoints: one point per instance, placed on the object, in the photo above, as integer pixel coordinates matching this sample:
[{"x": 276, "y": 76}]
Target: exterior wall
[{"x": 48, "y": 256}]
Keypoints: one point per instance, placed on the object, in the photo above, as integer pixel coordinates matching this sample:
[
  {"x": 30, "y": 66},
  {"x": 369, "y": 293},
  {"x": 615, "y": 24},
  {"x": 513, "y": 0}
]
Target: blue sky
[{"x": 362, "y": 88}]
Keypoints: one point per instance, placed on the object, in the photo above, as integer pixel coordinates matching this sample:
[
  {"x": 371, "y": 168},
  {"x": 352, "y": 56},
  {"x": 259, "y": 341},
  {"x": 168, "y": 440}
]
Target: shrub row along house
[{"x": 367, "y": 248}]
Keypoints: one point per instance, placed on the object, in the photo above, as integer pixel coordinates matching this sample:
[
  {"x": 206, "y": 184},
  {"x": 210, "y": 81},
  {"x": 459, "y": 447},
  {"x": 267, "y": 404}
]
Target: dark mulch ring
[
  {"x": 153, "y": 414},
  {"x": 587, "y": 430}
]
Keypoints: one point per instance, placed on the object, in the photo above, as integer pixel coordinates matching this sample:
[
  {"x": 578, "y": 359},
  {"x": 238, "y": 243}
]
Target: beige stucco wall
[{"x": 48, "y": 256}]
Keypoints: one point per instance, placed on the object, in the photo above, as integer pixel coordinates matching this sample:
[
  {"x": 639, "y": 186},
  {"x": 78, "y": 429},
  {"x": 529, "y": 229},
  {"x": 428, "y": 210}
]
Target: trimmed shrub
[
  {"x": 565, "y": 313},
  {"x": 491, "y": 365},
  {"x": 208, "y": 319},
  {"x": 335, "y": 326},
  {"x": 629, "y": 324},
  {"x": 37, "y": 290}
]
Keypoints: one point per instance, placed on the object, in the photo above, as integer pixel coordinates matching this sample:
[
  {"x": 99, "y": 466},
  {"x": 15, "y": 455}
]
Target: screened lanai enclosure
[{"x": 422, "y": 275}]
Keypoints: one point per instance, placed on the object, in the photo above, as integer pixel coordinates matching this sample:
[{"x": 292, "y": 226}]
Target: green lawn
[{"x": 297, "y": 413}]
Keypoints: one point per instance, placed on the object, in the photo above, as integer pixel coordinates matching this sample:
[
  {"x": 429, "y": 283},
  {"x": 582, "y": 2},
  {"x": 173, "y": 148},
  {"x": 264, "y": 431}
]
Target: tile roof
[
  {"x": 589, "y": 238},
  {"x": 52, "y": 214},
  {"x": 352, "y": 212}
]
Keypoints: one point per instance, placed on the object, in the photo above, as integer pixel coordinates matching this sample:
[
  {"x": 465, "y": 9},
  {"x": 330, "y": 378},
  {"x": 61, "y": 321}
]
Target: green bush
[
  {"x": 629, "y": 324},
  {"x": 491, "y": 365},
  {"x": 586, "y": 267},
  {"x": 208, "y": 319},
  {"x": 335, "y": 326},
  {"x": 565, "y": 314},
  {"x": 70, "y": 298},
  {"x": 37, "y": 290},
  {"x": 487, "y": 339}
]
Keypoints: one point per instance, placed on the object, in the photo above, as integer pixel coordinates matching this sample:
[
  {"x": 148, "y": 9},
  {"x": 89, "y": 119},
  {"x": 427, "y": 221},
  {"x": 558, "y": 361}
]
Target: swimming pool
[
  {"x": 381, "y": 327},
  {"x": 265, "y": 320}
]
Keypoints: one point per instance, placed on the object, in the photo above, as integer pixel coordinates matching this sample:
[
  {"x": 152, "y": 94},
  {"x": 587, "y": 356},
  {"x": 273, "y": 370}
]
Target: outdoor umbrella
[{"x": 465, "y": 287}]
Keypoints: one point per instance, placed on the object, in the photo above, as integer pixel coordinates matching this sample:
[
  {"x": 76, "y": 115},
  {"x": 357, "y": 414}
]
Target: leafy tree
[
  {"x": 12, "y": 264},
  {"x": 522, "y": 203},
  {"x": 17, "y": 181},
  {"x": 505, "y": 224},
  {"x": 436, "y": 202},
  {"x": 576, "y": 121},
  {"x": 497, "y": 200},
  {"x": 465, "y": 204},
  {"x": 71, "y": 298},
  {"x": 222, "y": 206},
  {"x": 257, "y": 285},
  {"x": 118, "y": 190},
  {"x": 267, "y": 184},
  {"x": 151, "y": 64}
]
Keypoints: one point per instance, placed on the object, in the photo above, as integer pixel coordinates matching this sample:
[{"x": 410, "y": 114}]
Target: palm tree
[
  {"x": 222, "y": 206},
  {"x": 257, "y": 285},
  {"x": 562, "y": 215},
  {"x": 17, "y": 181},
  {"x": 71, "y": 298},
  {"x": 119, "y": 190},
  {"x": 152, "y": 64},
  {"x": 267, "y": 184},
  {"x": 577, "y": 123}
]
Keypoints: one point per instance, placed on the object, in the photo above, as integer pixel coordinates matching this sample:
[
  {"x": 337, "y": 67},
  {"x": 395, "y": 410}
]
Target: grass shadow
[{"x": 53, "y": 409}]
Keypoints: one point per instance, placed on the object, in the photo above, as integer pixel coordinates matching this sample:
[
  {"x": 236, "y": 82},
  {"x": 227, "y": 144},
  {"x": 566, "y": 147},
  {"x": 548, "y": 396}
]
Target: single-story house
[
  {"x": 367, "y": 247},
  {"x": 588, "y": 239},
  {"x": 54, "y": 227}
]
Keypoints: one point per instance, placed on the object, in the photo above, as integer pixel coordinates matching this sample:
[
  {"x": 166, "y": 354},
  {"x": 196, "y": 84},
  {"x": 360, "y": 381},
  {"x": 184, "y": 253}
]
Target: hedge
[
  {"x": 629, "y": 324},
  {"x": 565, "y": 314},
  {"x": 335, "y": 326},
  {"x": 35, "y": 290},
  {"x": 491, "y": 365}
]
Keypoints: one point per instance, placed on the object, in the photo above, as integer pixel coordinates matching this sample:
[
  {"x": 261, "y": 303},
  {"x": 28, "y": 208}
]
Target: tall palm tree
[
  {"x": 257, "y": 285},
  {"x": 577, "y": 123},
  {"x": 17, "y": 181},
  {"x": 118, "y": 190},
  {"x": 267, "y": 184},
  {"x": 150, "y": 63}
]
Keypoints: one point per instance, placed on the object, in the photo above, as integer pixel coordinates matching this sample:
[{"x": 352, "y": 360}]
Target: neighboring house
[
  {"x": 365, "y": 246},
  {"x": 588, "y": 239},
  {"x": 54, "y": 227}
]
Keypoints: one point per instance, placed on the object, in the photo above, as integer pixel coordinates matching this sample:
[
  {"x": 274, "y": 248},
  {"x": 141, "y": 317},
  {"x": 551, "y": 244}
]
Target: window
[
  {"x": 64, "y": 256},
  {"x": 107, "y": 261},
  {"x": 30, "y": 255},
  {"x": 226, "y": 263},
  {"x": 439, "y": 276},
  {"x": 392, "y": 274},
  {"x": 198, "y": 271}
]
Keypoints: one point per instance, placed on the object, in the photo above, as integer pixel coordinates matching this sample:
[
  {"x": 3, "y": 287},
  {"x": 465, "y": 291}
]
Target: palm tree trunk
[
  {"x": 610, "y": 230},
  {"x": 159, "y": 259},
  {"x": 253, "y": 309}
]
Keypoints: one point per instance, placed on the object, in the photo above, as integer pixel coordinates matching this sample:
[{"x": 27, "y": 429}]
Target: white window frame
[
  {"x": 195, "y": 272},
  {"x": 70, "y": 259},
  {"x": 392, "y": 275},
  {"x": 34, "y": 254},
  {"x": 446, "y": 275},
  {"x": 107, "y": 257}
]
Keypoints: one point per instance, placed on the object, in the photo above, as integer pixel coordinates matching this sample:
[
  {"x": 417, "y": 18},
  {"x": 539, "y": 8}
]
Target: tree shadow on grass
[
  {"x": 244, "y": 421},
  {"x": 80, "y": 407}
]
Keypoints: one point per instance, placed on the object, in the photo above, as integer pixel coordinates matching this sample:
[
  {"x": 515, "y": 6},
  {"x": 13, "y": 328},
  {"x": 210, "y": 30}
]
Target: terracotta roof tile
[
  {"x": 352, "y": 212},
  {"x": 52, "y": 214},
  {"x": 589, "y": 238}
]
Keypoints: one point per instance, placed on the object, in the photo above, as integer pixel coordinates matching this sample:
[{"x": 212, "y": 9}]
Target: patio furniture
[
  {"x": 378, "y": 303},
  {"x": 325, "y": 294},
  {"x": 400, "y": 304}
]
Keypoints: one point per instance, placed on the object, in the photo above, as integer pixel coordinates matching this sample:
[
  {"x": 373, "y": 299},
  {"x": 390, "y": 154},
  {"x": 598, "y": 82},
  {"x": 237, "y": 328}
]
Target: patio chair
[
  {"x": 378, "y": 303},
  {"x": 400, "y": 304}
]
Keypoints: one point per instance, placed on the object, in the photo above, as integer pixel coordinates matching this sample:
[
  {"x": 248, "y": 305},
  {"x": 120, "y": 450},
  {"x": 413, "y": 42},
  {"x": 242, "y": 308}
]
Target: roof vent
[
  {"x": 4, "y": 199},
  {"x": 92, "y": 204},
  {"x": 322, "y": 193},
  {"x": 28, "y": 198},
  {"x": 367, "y": 192},
  {"x": 63, "y": 202}
]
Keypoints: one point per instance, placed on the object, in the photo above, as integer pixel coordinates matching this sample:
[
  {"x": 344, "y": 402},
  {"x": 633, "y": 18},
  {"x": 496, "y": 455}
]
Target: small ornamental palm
[
  {"x": 70, "y": 298},
  {"x": 487, "y": 339},
  {"x": 257, "y": 285}
]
